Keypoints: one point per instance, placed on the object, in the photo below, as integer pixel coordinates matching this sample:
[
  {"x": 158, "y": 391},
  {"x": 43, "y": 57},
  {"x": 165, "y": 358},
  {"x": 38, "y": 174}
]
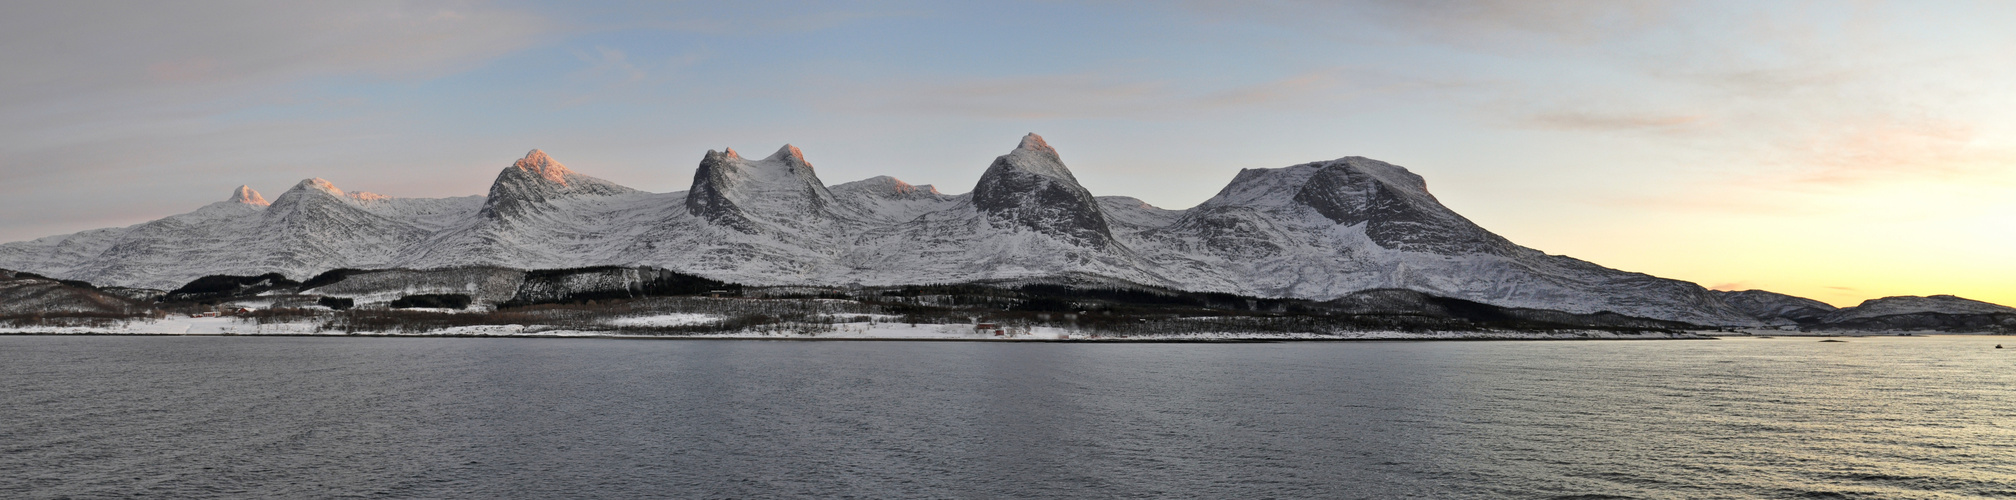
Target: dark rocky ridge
[
  {"x": 31, "y": 294},
  {"x": 1409, "y": 302},
  {"x": 212, "y": 288}
]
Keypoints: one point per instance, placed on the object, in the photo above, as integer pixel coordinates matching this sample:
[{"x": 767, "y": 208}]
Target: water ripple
[{"x": 89, "y": 417}]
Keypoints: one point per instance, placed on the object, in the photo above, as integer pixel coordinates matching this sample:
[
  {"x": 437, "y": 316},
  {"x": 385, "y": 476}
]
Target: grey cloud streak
[
  {"x": 140, "y": 95},
  {"x": 1117, "y": 95}
]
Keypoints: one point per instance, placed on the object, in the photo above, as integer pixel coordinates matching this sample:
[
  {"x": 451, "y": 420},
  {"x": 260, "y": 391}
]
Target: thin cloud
[
  {"x": 89, "y": 72},
  {"x": 726, "y": 19},
  {"x": 1494, "y": 21},
  {"x": 610, "y": 71},
  {"x": 1049, "y": 96},
  {"x": 1594, "y": 121},
  {"x": 1885, "y": 150},
  {"x": 1110, "y": 95},
  {"x": 66, "y": 50},
  {"x": 1488, "y": 25}
]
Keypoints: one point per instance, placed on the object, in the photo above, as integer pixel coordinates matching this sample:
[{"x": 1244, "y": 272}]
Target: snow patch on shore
[{"x": 664, "y": 320}]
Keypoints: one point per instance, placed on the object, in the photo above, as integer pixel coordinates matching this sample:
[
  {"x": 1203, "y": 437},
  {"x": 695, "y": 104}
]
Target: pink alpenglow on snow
[
  {"x": 537, "y": 163},
  {"x": 246, "y": 195}
]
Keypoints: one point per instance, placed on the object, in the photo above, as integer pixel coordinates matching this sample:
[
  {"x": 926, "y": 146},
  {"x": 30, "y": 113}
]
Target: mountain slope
[
  {"x": 537, "y": 180},
  {"x": 150, "y": 255},
  {"x": 1776, "y": 308},
  {"x": 1326, "y": 229},
  {"x": 889, "y": 200},
  {"x": 1909, "y": 313},
  {"x": 780, "y": 191},
  {"x": 539, "y": 214},
  {"x": 30, "y": 294},
  {"x": 1317, "y": 231}
]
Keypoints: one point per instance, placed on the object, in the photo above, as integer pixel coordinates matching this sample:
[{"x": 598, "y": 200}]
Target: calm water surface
[{"x": 84, "y": 417}]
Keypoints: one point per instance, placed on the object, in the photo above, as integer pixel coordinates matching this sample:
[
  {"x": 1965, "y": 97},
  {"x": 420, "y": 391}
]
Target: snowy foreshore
[{"x": 639, "y": 327}]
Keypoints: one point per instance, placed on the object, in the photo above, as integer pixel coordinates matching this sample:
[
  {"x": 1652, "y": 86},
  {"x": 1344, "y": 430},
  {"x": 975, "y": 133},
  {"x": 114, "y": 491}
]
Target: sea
[{"x": 291, "y": 417}]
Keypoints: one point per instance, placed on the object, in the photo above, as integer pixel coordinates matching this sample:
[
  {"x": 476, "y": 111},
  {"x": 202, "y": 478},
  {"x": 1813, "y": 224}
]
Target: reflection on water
[{"x": 481, "y": 418}]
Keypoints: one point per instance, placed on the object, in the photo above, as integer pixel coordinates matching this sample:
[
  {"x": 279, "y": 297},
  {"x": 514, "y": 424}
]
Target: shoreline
[
  {"x": 908, "y": 335},
  {"x": 1152, "y": 340}
]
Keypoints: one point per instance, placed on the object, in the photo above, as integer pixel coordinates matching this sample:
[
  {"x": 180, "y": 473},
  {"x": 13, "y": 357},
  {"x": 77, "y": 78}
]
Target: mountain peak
[
  {"x": 1395, "y": 206},
  {"x": 791, "y": 154},
  {"x": 245, "y": 194},
  {"x": 536, "y": 179},
  {"x": 901, "y": 187},
  {"x": 537, "y": 163},
  {"x": 883, "y": 185},
  {"x": 1034, "y": 155},
  {"x": 782, "y": 188},
  {"x": 318, "y": 184},
  {"x": 1033, "y": 142},
  {"x": 1031, "y": 188}
]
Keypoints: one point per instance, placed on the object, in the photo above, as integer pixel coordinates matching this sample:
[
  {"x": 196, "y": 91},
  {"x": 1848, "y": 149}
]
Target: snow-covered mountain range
[{"x": 1315, "y": 231}]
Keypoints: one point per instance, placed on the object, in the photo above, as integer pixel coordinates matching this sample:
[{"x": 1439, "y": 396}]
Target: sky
[{"x": 1835, "y": 150}]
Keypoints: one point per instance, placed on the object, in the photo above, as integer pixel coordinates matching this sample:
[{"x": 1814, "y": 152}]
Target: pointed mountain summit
[
  {"x": 1030, "y": 188},
  {"x": 537, "y": 179},
  {"x": 537, "y": 163},
  {"x": 315, "y": 200},
  {"x": 245, "y": 195},
  {"x": 307, "y": 192},
  {"x": 316, "y": 223},
  {"x": 739, "y": 193},
  {"x": 317, "y": 184},
  {"x": 318, "y": 187}
]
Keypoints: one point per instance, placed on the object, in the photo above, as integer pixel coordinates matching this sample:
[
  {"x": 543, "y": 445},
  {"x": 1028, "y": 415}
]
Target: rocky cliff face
[{"x": 1318, "y": 231}]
